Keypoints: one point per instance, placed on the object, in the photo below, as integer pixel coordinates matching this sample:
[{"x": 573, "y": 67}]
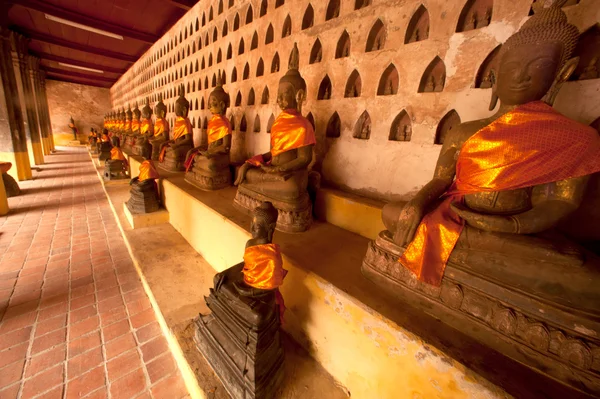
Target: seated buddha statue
[
  {"x": 480, "y": 240},
  {"x": 144, "y": 196},
  {"x": 173, "y": 152},
  {"x": 135, "y": 127},
  {"x": 104, "y": 146},
  {"x": 121, "y": 124},
  {"x": 127, "y": 134},
  {"x": 116, "y": 167},
  {"x": 160, "y": 129},
  {"x": 240, "y": 337},
  {"x": 281, "y": 175},
  {"x": 207, "y": 167},
  {"x": 142, "y": 146},
  {"x": 92, "y": 140}
]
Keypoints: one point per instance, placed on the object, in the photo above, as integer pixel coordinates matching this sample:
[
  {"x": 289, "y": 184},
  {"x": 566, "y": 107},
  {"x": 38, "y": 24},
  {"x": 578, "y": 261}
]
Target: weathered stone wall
[
  {"x": 378, "y": 167},
  {"x": 86, "y": 104}
]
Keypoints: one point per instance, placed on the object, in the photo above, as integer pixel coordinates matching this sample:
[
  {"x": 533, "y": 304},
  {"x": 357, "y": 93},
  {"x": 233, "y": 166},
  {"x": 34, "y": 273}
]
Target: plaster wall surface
[
  {"x": 86, "y": 104},
  {"x": 196, "y": 49}
]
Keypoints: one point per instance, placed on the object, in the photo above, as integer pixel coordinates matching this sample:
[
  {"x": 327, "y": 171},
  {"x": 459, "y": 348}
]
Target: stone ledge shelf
[
  {"x": 347, "y": 324},
  {"x": 139, "y": 220}
]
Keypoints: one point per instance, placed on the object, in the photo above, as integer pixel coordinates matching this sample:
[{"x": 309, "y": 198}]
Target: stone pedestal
[
  {"x": 140, "y": 220},
  {"x": 144, "y": 197},
  {"x": 210, "y": 173},
  {"x": 240, "y": 339},
  {"x": 115, "y": 169},
  {"x": 10, "y": 185}
]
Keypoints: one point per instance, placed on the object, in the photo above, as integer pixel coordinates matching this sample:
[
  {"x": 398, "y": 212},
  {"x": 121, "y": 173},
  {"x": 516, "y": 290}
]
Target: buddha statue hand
[
  {"x": 134, "y": 180},
  {"x": 241, "y": 176},
  {"x": 270, "y": 168},
  {"x": 408, "y": 222},
  {"x": 498, "y": 223}
]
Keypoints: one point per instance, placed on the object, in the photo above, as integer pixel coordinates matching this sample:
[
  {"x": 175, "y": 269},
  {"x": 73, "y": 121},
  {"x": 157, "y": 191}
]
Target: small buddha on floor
[
  {"x": 142, "y": 146},
  {"x": 173, "y": 152},
  {"x": 10, "y": 184},
  {"x": 144, "y": 190},
  {"x": 73, "y": 129},
  {"x": 281, "y": 175},
  {"x": 240, "y": 338},
  {"x": 117, "y": 166},
  {"x": 160, "y": 133},
  {"x": 479, "y": 243},
  {"x": 208, "y": 167},
  {"x": 104, "y": 146}
]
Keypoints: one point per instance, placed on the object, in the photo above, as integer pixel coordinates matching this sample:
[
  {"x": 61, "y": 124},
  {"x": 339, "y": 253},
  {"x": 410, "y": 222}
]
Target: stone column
[
  {"x": 13, "y": 139},
  {"x": 39, "y": 102},
  {"x": 21, "y": 61},
  {"x": 44, "y": 98}
]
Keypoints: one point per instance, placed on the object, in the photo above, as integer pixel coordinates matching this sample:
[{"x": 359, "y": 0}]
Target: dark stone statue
[
  {"x": 173, "y": 151},
  {"x": 240, "y": 338},
  {"x": 142, "y": 146},
  {"x": 207, "y": 167},
  {"x": 116, "y": 167},
  {"x": 104, "y": 146},
  {"x": 281, "y": 175},
  {"x": 144, "y": 196},
  {"x": 479, "y": 243},
  {"x": 127, "y": 134},
  {"x": 160, "y": 129}
]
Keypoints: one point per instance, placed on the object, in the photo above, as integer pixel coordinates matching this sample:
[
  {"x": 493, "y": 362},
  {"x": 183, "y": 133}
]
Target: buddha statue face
[
  {"x": 264, "y": 221},
  {"x": 287, "y": 97},
  {"x": 146, "y": 111},
  {"x": 526, "y": 72},
  {"x": 136, "y": 113},
  {"x": 160, "y": 110},
  {"x": 216, "y": 105},
  {"x": 181, "y": 109}
]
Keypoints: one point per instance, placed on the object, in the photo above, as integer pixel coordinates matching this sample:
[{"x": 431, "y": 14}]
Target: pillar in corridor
[
  {"x": 34, "y": 70},
  {"x": 21, "y": 63},
  {"x": 13, "y": 138},
  {"x": 46, "y": 110}
]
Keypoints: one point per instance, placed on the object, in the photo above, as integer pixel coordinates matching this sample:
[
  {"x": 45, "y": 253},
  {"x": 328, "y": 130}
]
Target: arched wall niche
[
  {"x": 401, "y": 129},
  {"x": 246, "y": 74},
  {"x": 264, "y": 99},
  {"x": 489, "y": 67},
  {"x": 236, "y": 22},
  {"x": 476, "y": 14},
  {"x": 343, "y": 46},
  {"x": 275, "y": 63},
  {"x": 376, "y": 38},
  {"x": 353, "y": 85},
  {"x": 418, "y": 27},
  {"x": 334, "y": 126},
  {"x": 243, "y": 124},
  {"x": 309, "y": 17},
  {"x": 256, "y": 127},
  {"x": 388, "y": 83},
  {"x": 362, "y": 129},
  {"x": 358, "y": 4},
  {"x": 333, "y": 10},
  {"x": 270, "y": 123},
  {"x": 251, "y": 97},
  {"x": 249, "y": 15},
  {"x": 260, "y": 68},
  {"x": 254, "y": 43},
  {"x": 325, "y": 89},
  {"x": 316, "y": 53},
  {"x": 287, "y": 27},
  {"x": 588, "y": 51},
  {"x": 270, "y": 34},
  {"x": 311, "y": 119},
  {"x": 447, "y": 123},
  {"x": 263, "y": 8},
  {"x": 434, "y": 77},
  {"x": 238, "y": 99}
]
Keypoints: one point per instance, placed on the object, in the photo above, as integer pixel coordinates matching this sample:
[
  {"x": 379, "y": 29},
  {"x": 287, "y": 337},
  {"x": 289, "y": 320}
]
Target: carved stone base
[
  {"x": 114, "y": 169},
  {"x": 292, "y": 219},
  {"x": 560, "y": 339},
  {"x": 174, "y": 160},
  {"x": 144, "y": 197},
  {"x": 241, "y": 341},
  {"x": 209, "y": 181},
  {"x": 10, "y": 185}
]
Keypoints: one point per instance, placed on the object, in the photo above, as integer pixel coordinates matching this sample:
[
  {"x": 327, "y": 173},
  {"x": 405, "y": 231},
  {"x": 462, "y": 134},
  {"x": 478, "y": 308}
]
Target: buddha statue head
[
  {"x": 147, "y": 111},
  {"x": 160, "y": 109},
  {"x": 128, "y": 114},
  {"x": 264, "y": 220},
  {"x": 115, "y": 141},
  {"x": 182, "y": 106},
  {"x": 536, "y": 60},
  {"x": 292, "y": 87},
  {"x": 136, "y": 112},
  {"x": 218, "y": 100},
  {"x": 122, "y": 115}
]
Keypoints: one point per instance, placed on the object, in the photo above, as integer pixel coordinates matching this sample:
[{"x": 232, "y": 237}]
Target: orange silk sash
[
  {"x": 181, "y": 128},
  {"x": 127, "y": 125},
  {"x": 531, "y": 145},
  {"x": 263, "y": 266},
  {"x": 117, "y": 154},
  {"x": 135, "y": 126},
  {"x": 145, "y": 126},
  {"x": 161, "y": 126},
  {"x": 218, "y": 127},
  {"x": 147, "y": 171},
  {"x": 289, "y": 131}
]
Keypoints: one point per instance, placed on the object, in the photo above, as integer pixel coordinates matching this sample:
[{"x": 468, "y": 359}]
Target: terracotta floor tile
[
  {"x": 43, "y": 381},
  {"x": 83, "y": 363},
  {"x": 129, "y": 386},
  {"x": 43, "y": 361},
  {"x": 123, "y": 364},
  {"x": 86, "y": 383}
]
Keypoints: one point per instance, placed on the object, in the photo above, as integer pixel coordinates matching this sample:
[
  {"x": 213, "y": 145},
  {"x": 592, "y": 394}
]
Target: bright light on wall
[
  {"x": 80, "y": 67},
  {"x": 84, "y": 27}
]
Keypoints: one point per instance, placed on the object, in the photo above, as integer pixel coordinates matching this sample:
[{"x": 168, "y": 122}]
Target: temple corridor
[{"x": 75, "y": 319}]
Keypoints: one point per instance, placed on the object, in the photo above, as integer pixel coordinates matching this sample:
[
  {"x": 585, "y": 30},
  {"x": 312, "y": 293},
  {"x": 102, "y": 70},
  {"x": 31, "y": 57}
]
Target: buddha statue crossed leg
[
  {"x": 173, "y": 152},
  {"x": 208, "y": 167},
  {"x": 281, "y": 175},
  {"x": 477, "y": 242}
]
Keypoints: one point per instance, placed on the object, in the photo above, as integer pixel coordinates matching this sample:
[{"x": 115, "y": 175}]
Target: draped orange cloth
[
  {"x": 263, "y": 266},
  {"x": 127, "y": 125},
  {"x": 161, "y": 126},
  {"x": 145, "y": 126},
  {"x": 289, "y": 131},
  {"x": 148, "y": 171},
  {"x": 182, "y": 127},
  {"x": 117, "y": 154},
  {"x": 530, "y": 145},
  {"x": 218, "y": 127},
  {"x": 135, "y": 126}
]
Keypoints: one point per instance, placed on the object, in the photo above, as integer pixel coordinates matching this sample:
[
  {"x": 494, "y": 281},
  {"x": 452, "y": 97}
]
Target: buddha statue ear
[
  {"x": 494, "y": 99},
  {"x": 563, "y": 75},
  {"x": 300, "y": 97}
]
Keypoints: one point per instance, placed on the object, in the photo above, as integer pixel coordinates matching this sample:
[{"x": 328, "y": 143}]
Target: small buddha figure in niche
[
  {"x": 161, "y": 128},
  {"x": 281, "y": 175},
  {"x": 365, "y": 131},
  {"x": 247, "y": 294},
  {"x": 173, "y": 152},
  {"x": 416, "y": 36},
  {"x": 403, "y": 132},
  {"x": 430, "y": 86},
  {"x": 207, "y": 167},
  {"x": 486, "y": 82},
  {"x": 500, "y": 188},
  {"x": 472, "y": 23},
  {"x": 319, "y": 55},
  {"x": 142, "y": 144},
  {"x": 73, "y": 128},
  {"x": 590, "y": 71},
  {"x": 439, "y": 86}
]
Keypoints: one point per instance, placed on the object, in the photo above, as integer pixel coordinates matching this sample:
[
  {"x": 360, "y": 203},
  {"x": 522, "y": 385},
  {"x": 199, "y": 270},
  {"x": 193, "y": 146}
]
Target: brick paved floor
[{"x": 75, "y": 320}]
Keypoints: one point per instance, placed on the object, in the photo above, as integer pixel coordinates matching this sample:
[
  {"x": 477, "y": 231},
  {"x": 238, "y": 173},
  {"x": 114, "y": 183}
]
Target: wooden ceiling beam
[
  {"x": 77, "y": 81},
  {"x": 183, "y": 4},
  {"x": 64, "y": 60},
  {"x": 78, "y": 74},
  {"x": 42, "y": 37},
  {"x": 79, "y": 18}
]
